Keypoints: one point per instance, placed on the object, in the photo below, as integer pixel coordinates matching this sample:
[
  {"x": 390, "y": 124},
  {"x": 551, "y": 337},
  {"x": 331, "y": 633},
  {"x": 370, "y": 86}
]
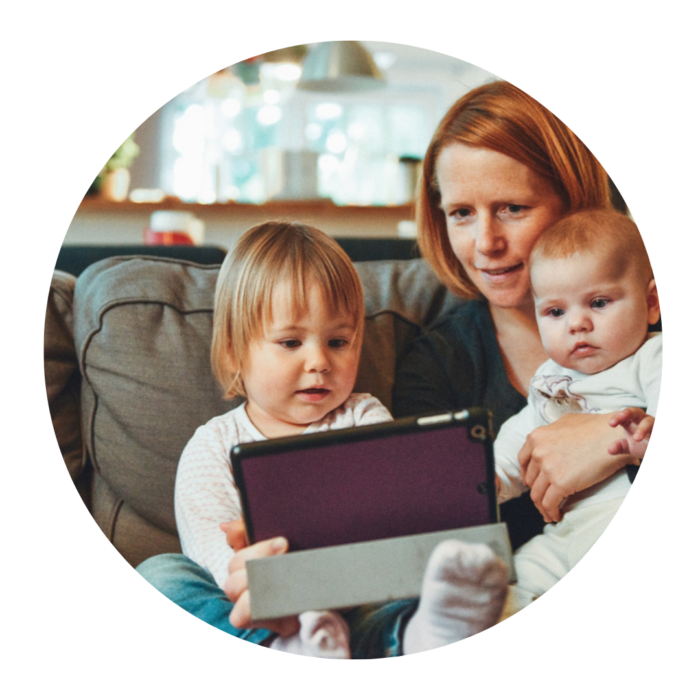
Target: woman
[{"x": 499, "y": 170}]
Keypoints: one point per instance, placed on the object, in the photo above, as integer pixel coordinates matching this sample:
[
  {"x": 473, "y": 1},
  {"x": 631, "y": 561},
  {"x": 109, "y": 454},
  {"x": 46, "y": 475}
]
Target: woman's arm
[{"x": 568, "y": 456}]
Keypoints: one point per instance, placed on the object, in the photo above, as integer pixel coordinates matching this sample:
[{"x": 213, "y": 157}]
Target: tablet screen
[{"x": 392, "y": 485}]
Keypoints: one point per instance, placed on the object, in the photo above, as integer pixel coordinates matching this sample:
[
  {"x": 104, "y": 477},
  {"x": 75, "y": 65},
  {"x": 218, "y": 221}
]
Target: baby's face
[
  {"x": 590, "y": 315},
  {"x": 303, "y": 367}
]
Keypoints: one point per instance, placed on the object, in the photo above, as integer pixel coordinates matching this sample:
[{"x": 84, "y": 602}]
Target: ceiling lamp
[
  {"x": 289, "y": 54},
  {"x": 340, "y": 66}
]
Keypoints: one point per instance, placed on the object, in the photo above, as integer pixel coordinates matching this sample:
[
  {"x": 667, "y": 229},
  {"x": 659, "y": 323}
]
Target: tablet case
[
  {"x": 363, "y": 509},
  {"x": 410, "y": 476}
]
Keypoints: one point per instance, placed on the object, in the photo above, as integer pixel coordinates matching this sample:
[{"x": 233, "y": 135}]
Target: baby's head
[
  {"x": 594, "y": 290},
  {"x": 288, "y": 323}
]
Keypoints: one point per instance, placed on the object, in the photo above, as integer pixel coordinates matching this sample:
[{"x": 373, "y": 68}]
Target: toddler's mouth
[{"x": 314, "y": 393}]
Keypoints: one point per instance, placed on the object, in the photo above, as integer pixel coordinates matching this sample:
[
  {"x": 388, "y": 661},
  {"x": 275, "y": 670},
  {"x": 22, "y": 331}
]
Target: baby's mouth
[{"x": 314, "y": 390}]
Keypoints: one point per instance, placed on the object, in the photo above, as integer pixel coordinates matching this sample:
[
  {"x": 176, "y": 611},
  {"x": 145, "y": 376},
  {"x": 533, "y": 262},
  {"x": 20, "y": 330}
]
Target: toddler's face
[
  {"x": 302, "y": 367},
  {"x": 590, "y": 316}
]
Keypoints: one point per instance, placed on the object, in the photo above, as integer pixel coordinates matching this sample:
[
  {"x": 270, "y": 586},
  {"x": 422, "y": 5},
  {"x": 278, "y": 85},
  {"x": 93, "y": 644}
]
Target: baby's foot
[
  {"x": 322, "y": 634},
  {"x": 464, "y": 589}
]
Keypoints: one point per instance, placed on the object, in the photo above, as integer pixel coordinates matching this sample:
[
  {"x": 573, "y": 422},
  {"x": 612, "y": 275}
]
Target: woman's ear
[{"x": 653, "y": 310}]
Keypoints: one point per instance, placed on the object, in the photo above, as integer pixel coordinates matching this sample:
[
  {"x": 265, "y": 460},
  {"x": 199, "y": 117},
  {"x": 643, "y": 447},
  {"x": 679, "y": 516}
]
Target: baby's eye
[
  {"x": 599, "y": 303},
  {"x": 555, "y": 313},
  {"x": 290, "y": 344}
]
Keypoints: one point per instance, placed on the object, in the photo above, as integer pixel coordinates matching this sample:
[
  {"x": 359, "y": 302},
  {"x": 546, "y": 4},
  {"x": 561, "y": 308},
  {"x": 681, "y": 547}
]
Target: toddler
[
  {"x": 288, "y": 325},
  {"x": 595, "y": 296}
]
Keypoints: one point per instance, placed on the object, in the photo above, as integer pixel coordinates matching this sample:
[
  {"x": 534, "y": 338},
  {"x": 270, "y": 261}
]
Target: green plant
[{"x": 123, "y": 157}]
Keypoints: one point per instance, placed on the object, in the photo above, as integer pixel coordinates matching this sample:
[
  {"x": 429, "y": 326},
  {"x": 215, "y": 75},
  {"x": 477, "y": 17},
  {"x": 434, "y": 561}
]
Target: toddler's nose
[{"x": 317, "y": 361}]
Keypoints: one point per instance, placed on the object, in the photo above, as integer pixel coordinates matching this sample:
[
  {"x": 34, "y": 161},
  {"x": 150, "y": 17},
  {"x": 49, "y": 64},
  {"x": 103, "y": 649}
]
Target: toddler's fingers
[
  {"x": 240, "y": 615},
  {"x": 236, "y": 584},
  {"x": 266, "y": 548},
  {"x": 235, "y": 534},
  {"x": 240, "y": 618}
]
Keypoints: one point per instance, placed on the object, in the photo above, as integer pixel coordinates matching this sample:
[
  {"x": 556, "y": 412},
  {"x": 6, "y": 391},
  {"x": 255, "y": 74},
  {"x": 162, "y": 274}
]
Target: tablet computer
[{"x": 410, "y": 476}]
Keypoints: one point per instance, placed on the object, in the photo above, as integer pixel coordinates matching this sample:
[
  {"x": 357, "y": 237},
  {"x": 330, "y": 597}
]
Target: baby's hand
[{"x": 638, "y": 426}]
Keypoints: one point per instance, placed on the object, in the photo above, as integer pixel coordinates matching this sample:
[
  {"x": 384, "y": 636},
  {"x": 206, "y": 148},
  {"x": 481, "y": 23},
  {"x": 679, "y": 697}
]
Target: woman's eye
[
  {"x": 555, "y": 313},
  {"x": 461, "y": 213},
  {"x": 514, "y": 208},
  {"x": 599, "y": 303}
]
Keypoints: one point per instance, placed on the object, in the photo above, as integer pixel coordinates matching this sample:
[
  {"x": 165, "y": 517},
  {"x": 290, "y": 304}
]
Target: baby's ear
[{"x": 653, "y": 309}]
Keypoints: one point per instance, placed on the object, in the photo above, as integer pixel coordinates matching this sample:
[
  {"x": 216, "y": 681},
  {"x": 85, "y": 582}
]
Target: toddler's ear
[{"x": 653, "y": 310}]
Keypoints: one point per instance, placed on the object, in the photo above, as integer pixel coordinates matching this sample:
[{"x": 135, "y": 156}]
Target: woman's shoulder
[{"x": 467, "y": 328}]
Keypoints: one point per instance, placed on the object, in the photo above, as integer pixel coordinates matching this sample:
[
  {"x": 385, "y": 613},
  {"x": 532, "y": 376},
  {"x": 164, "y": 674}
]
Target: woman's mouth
[{"x": 496, "y": 274}]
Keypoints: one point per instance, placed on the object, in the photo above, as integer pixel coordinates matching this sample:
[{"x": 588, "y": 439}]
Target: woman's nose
[{"x": 488, "y": 238}]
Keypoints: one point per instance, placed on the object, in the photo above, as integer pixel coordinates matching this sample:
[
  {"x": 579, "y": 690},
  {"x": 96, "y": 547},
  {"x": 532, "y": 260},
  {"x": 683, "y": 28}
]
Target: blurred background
[{"x": 331, "y": 134}]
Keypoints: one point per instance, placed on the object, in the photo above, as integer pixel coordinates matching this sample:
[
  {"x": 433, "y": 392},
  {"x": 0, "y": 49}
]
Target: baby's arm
[
  {"x": 637, "y": 425},
  {"x": 511, "y": 438}
]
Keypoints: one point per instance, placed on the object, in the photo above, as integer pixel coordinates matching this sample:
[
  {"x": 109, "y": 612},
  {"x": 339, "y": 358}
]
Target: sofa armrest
[{"x": 61, "y": 372}]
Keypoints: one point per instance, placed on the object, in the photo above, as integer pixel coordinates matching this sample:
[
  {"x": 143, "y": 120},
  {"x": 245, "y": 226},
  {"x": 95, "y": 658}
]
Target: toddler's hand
[
  {"x": 235, "y": 534},
  {"x": 638, "y": 426},
  {"x": 236, "y": 586}
]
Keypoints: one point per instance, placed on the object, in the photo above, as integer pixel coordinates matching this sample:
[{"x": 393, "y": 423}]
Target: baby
[
  {"x": 288, "y": 326},
  {"x": 595, "y": 296}
]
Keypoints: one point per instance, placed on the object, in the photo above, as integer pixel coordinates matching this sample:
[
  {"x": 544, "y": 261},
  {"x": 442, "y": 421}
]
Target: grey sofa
[{"x": 128, "y": 378}]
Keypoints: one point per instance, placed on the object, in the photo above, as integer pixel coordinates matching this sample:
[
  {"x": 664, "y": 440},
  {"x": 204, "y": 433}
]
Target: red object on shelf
[{"x": 166, "y": 237}]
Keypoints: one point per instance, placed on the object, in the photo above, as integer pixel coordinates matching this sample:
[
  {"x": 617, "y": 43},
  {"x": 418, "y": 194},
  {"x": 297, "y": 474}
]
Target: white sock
[
  {"x": 322, "y": 634},
  {"x": 464, "y": 589}
]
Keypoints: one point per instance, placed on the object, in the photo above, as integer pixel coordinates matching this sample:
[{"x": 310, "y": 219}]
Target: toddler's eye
[
  {"x": 555, "y": 313},
  {"x": 599, "y": 303},
  {"x": 289, "y": 344},
  {"x": 338, "y": 343}
]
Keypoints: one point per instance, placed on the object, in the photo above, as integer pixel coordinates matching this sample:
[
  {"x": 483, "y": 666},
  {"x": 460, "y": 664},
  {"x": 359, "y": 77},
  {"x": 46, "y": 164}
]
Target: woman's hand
[
  {"x": 236, "y": 586},
  {"x": 566, "y": 457}
]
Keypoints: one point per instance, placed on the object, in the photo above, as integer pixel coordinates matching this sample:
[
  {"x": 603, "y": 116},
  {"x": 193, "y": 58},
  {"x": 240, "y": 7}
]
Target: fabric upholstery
[{"x": 142, "y": 334}]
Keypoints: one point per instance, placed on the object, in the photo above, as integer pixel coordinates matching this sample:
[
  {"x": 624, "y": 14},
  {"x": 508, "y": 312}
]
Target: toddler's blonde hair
[{"x": 267, "y": 255}]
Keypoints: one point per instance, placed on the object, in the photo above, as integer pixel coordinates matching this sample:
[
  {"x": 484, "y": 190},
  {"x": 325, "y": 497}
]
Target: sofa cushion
[
  {"x": 61, "y": 372},
  {"x": 143, "y": 332}
]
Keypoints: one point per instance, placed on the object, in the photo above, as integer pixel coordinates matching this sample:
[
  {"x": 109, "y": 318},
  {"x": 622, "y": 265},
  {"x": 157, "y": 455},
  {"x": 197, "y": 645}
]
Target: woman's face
[{"x": 495, "y": 208}]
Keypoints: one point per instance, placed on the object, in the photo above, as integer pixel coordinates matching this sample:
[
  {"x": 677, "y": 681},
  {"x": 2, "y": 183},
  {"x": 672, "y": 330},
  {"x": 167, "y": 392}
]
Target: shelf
[{"x": 97, "y": 205}]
